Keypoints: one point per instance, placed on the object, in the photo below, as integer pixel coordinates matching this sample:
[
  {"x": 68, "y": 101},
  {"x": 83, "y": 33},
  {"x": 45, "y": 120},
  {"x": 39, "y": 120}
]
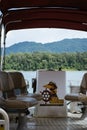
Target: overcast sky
[{"x": 42, "y": 35}]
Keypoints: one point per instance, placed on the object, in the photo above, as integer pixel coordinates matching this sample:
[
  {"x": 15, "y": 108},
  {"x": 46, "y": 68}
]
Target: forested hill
[{"x": 66, "y": 45}]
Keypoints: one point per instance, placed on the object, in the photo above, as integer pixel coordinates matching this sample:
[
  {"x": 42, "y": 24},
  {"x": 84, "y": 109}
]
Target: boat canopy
[
  {"x": 26, "y": 14},
  {"x": 23, "y": 14}
]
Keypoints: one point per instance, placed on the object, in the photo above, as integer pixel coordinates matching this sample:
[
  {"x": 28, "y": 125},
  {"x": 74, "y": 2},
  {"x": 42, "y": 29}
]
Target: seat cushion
[
  {"x": 20, "y": 103},
  {"x": 28, "y": 100},
  {"x": 72, "y": 97},
  {"x": 35, "y": 95},
  {"x": 32, "y": 95}
]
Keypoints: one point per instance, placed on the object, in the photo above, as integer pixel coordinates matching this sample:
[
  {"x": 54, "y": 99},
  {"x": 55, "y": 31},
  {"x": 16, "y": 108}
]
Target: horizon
[
  {"x": 45, "y": 35},
  {"x": 45, "y": 43}
]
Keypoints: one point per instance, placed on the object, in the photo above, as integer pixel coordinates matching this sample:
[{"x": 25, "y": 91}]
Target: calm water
[{"x": 72, "y": 78}]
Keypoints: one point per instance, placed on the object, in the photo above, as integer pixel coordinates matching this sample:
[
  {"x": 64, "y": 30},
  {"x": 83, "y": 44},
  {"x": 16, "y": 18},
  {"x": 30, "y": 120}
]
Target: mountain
[{"x": 66, "y": 45}]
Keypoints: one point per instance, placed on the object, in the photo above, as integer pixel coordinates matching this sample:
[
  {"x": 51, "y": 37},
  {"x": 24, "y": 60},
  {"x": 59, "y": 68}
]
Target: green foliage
[{"x": 49, "y": 61}]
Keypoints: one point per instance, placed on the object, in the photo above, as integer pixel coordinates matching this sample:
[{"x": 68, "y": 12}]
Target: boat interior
[{"x": 18, "y": 109}]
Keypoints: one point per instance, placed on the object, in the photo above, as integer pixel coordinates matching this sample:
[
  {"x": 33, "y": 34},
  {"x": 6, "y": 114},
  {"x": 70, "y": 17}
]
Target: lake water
[{"x": 72, "y": 78}]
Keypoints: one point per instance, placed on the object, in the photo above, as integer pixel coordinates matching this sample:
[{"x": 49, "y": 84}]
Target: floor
[{"x": 72, "y": 122}]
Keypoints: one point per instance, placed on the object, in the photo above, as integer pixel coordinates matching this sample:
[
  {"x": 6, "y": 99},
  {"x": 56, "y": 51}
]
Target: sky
[{"x": 45, "y": 35}]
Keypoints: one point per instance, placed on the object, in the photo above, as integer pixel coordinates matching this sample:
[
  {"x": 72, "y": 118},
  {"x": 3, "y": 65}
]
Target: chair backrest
[
  {"x": 83, "y": 86},
  {"x": 19, "y": 82},
  {"x": 6, "y": 85}
]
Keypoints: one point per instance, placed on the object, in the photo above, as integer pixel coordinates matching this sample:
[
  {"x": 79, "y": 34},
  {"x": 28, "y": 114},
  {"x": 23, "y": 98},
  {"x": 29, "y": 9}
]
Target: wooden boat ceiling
[{"x": 23, "y": 14}]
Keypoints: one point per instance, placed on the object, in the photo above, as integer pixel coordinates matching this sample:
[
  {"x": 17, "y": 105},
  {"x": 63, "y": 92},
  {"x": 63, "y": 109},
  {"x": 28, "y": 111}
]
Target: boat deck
[{"x": 72, "y": 122}]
